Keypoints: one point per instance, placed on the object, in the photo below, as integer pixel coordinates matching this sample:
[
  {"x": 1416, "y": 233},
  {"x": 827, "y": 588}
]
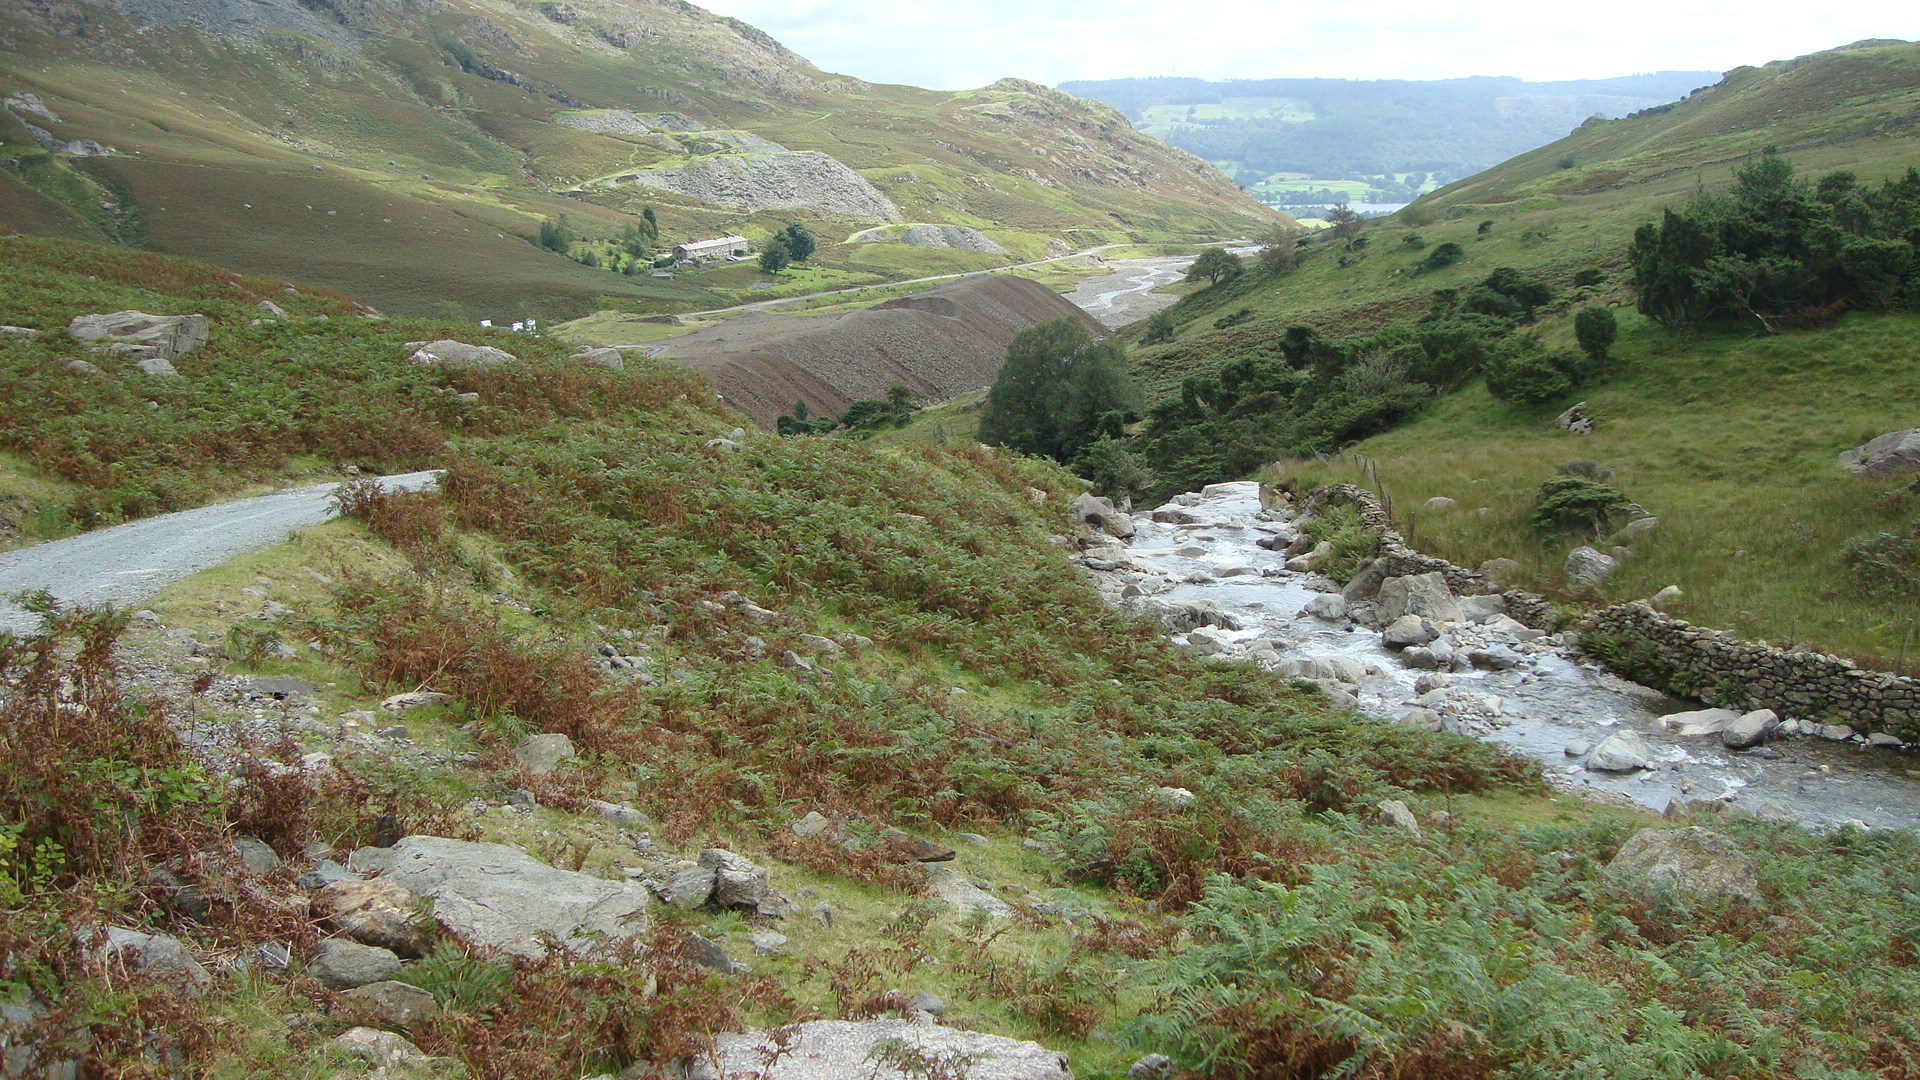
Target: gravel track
[{"x": 129, "y": 563}]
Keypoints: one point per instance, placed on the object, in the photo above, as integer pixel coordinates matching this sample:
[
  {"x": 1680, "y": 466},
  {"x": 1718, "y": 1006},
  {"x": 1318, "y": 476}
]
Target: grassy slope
[
  {"x": 997, "y": 695},
  {"x": 1730, "y": 439},
  {"x": 235, "y": 151}
]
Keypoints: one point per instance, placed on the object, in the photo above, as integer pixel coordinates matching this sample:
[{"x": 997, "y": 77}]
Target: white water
[{"x": 1552, "y": 699}]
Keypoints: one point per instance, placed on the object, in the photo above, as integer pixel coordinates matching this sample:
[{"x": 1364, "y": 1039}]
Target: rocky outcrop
[
  {"x": 964, "y": 237},
  {"x": 949, "y": 340},
  {"x": 141, "y": 335},
  {"x": 447, "y": 353},
  {"x": 880, "y": 1050},
  {"x": 497, "y": 896},
  {"x": 1891, "y": 454},
  {"x": 1693, "y": 862},
  {"x": 1719, "y": 668},
  {"x": 780, "y": 180}
]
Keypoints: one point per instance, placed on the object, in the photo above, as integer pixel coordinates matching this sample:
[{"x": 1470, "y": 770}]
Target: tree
[
  {"x": 1160, "y": 327},
  {"x": 775, "y": 257},
  {"x": 1443, "y": 256},
  {"x": 1595, "y": 329},
  {"x": 1058, "y": 391},
  {"x": 1216, "y": 265},
  {"x": 800, "y": 242},
  {"x": 653, "y": 223},
  {"x": 1345, "y": 223},
  {"x": 555, "y": 235},
  {"x": 900, "y": 404},
  {"x": 1277, "y": 252}
]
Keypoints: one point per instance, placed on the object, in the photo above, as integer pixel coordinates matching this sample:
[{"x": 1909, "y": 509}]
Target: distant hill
[
  {"x": 1441, "y": 129},
  {"x": 408, "y": 152}
]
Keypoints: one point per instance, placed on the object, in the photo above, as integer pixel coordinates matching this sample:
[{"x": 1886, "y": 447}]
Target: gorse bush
[{"x": 1572, "y": 504}]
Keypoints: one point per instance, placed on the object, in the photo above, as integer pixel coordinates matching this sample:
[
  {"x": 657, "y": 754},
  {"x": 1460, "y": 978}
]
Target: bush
[
  {"x": 1443, "y": 256},
  {"x": 1568, "y": 504},
  {"x": 1119, "y": 471},
  {"x": 1160, "y": 327},
  {"x": 1352, "y": 542},
  {"x": 1528, "y": 379},
  {"x": 1885, "y": 565}
]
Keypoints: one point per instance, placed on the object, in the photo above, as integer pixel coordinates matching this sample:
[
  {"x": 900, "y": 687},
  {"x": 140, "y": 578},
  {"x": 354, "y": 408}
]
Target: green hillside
[
  {"x": 733, "y": 635},
  {"x": 1730, "y": 437},
  {"x": 410, "y": 153}
]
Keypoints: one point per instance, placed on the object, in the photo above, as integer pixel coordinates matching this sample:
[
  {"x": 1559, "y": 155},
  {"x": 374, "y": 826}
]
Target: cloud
[{"x": 966, "y": 44}]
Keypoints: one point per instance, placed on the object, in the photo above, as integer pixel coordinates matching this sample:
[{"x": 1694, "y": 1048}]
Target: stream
[
  {"x": 1126, "y": 294},
  {"x": 1551, "y": 704}
]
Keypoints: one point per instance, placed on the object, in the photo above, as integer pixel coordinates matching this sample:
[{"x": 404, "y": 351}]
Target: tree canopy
[
  {"x": 1216, "y": 265},
  {"x": 1058, "y": 391}
]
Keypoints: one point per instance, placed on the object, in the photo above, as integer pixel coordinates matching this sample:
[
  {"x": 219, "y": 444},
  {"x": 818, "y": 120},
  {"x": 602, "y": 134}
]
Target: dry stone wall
[{"x": 1724, "y": 670}]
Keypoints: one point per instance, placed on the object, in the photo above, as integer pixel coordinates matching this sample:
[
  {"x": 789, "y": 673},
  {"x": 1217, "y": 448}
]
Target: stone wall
[
  {"x": 1393, "y": 558},
  {"x": 1724, "y": 670}
]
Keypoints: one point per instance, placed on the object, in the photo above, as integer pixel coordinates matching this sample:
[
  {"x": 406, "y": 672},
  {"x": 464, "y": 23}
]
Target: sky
[{"x": 963, "y": 44}]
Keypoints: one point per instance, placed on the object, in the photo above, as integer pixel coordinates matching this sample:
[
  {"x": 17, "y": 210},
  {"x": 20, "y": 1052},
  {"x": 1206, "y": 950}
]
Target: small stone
[
  {"x": 814, "y": 824},
  {"x": 1578, "y": 748},
  {"x": 1439, "y": 504},
  {"x": 927, "y": 1003},
  {"x": 256, "y": 855},
  {"x": 1174, "y": 798},
  {"x": 542, "y": 754},
  {"x": 414, "y": 700},
  {"x": 1395, "y": 813},
  {"x": 383, "y": 1050},
  {"x": 767, "y": 943},
  {"x": 971, "y": 838},
  {"x": 710, "y": 955},
  {"x": 822, "y": 913},
  {"x": 1666, "y": 598}
]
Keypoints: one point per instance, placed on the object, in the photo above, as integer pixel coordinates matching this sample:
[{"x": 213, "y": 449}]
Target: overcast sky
[{"x": 968, "y": 43}]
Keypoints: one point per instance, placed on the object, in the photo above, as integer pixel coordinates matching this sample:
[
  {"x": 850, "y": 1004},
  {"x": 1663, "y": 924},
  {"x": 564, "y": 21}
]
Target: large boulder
[
  {"x": 447, "y": 353},
  {"x": 1426, "y": 595},
  {"x": 344, "y": 964},
  {"x": 1338, "y": 669},
  {"x": 1891, "y": 454},
  {"x": 542, "y": 754},
  {"x": 1750, "y": 730},
  {"x": 500, "y": 897},
  {"x": 1693, "y": 862},
  {"x": 1407, "y": 631},
  {"x": 1180, "y": 616},
  {"x": 1623, "y": 751},
  {"x": 1097, "y": 513},
  {"x": 144, "y": 335},
  {"x": 737, "y": 880},
  {"x": 1587, "y": 568},
  {"x": 880, "y": 1050},
  {"x": 1699, "y": 722}
]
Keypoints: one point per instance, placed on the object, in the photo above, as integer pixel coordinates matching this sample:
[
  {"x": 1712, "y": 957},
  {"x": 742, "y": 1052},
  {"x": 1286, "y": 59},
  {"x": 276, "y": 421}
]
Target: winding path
[{"x": 129, "y": 563}]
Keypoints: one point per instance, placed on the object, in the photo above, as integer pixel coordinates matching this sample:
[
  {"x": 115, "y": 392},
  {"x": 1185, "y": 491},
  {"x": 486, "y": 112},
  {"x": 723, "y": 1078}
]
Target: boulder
[
  {"x": 813, "y": 824},
  {"x": 273, "y": 310},
  {"x": 1891, "y": 454},
  {"x": 1499, "y": 570},
  {"x": 1699, "y": 722},
  {"x": 383, "y": 1050},
  {"x": 343, "y": 964},
  {"x": 1365, "y": 582},
  {"x": 963, "y": 896},
  {"x": 166, "y": 336},
  {"x": 902, "y": 846},
  {"x": 1750, "y": 730},
  {"x": 879, "y": 1050},
  {"x": 1394, "y": 812},
  {"x": 1439, "y": 504},
  {"x": 1587, "y": 568},
  {"x": 447, "y": 353},
  {"x": 1180, "y": 616},
  {"x": 606, "y": 358},
  {"x": 1693, "y": 862},
  {"x": 542, "y": 754},
  {"x": 1425, "y": 595},
  {"x": 158, "y": 366},
  {"x": 494, "y": 895},
  {"x": 1337, "y": 669},
  {"x": 1635, "y": 529},
  {"x": 157, "y": 956},
  {"x": 689, "y": 886},
  {"x": 1513, "y": 629},
  {"x": 1097, "y": 513},
  {"x": 1666, "y": 598},
  {"x": 1330, "y": 607},
  {"x": 377, "y": 912},
  {"x": 1623, "y": 751},
  {"x": 396, "y": 1003},
  {"x": 1483, "y": 608},
  {"x": 737, "y": 880},
  {"x": 1406, "y": 631},
  {"x": 1208, "y": 641}
]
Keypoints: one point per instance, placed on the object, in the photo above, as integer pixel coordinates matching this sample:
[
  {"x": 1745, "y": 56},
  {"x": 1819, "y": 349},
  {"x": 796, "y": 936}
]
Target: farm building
[{"x": 718, "y": 248}]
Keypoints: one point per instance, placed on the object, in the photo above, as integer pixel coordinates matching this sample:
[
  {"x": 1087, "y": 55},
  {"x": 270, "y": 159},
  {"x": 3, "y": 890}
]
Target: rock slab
[
  {"x": 831, "y": 1049},
  {"x": 1693, "y": 862}
]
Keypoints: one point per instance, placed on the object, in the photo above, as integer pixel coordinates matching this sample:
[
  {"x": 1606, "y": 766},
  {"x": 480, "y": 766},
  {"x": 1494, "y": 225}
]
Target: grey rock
[
  {"x": 1330, "y": 607},
  {"x": 1098, "y": 513},
  {"x": 1485, "y": 608},
  {"x": 167, "y": 336},
  {"x": 689, "y": 887},
  {"x": 708, "y": 954},
  {"x": 1183, "y": 616},
  {"x": 822, "y": 913},
  {"x": 927, "y": 1003},
  {"x": 814, "y": 824},
  {"x": 616, "y": 813},
  {"x": 835, "y": 1049},
  {"x": 1587, "y": 568},
  {"x": 971, "y": 838},
  {"x": 396, "y": 1003},
  {"x": 1499, "y": 570},
  {"x": 1891, "y": 454},
  {"x": 385, "y": 1051},
  {"x": 1425, "y": 595},
  {"x": 415, "y": 699},
  {"x": 1439, "y": 504},
  {"x": 1498, "y": 658},
  {"x": 157, "y": 956},
  {"x": 1635, "y": 529},
  {"x": 1578, "y": 748},
  {"x": 1435, "y": 681},
  {"x": 606, "y": 358},
  {"x": 1666, "y": 598},
  {"x": 1833, "y": 732},
  {"x": 964, "y": 896},
  {"x": 1693, "y": 862},
  {"x": 343, "y": 964},
  {"x": 272, "y": 309},
  {"x": 542, "y": 754},
  {"x": 377, "y": 912},
  {"x": 1151, "y": 1067},
  {"x": 1174, "y": 798},
  {"x": 458, "y": 355},
  {"x": 158, "y": 366},
  {"x": 1883, "y": 741},
  {"x": 256, "y": 855},
  {"x": 324, "y": 873},
  {"x": 1395, "y": 813},
  {"x": 1699, "y": 722},
  {"x": 1339, "y": 669},
  {"x": 1365, "y": 583},
  {"x": 1421, "y": 658},
  {"x": 1408, "y": 630},
  {"x": 774, "y": 180},
  {"x": 490, "y": 894},
  {"x": 767, "y": 943},
  {"x": 1623, "y": 751},
  {"x": 81, "y": 367},
  {"x": 737, "y": 880},
  {"x": 824, "y": 647}
]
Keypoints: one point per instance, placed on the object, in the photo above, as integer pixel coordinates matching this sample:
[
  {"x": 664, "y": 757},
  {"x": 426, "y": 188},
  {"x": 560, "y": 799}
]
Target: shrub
[
  {"x": 1576, "y": 504},
  {"x": 1352, "y": 542},
  {"x": 1443, "y": 255},
  {"x": 1886, "y": 564},
  {"x": 1160, "y": 327},
  {"x": 1528, "y": 379}
]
